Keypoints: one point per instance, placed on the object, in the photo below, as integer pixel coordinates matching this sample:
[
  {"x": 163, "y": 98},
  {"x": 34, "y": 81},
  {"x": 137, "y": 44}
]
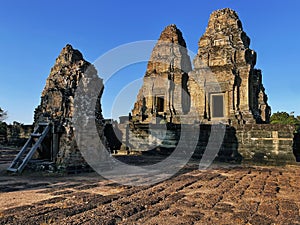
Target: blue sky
[{"x": 32, "y": 33}]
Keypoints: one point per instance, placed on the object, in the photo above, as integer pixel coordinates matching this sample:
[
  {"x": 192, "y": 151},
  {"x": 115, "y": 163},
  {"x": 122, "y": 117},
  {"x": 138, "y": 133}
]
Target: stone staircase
[
  {"x": 144, "y": 137},
  {"x": 7, "y": 154}
]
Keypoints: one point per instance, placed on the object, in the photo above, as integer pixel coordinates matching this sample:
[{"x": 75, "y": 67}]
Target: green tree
[
  {"x": 3, "y": 115},
  {"x": 3, "y": 128},
  {"x": 3, "y": 125},
  {"x": 286, "y": 119}
]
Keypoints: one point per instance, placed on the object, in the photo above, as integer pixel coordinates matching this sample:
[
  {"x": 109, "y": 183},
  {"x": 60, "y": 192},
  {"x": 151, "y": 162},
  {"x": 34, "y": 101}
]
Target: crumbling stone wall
[
  {"x": 266, "y": 143},
  {"x": 17, "y": 134},
  {"x": 248, "y": 143},
  {"x": 57, "y": 104}
]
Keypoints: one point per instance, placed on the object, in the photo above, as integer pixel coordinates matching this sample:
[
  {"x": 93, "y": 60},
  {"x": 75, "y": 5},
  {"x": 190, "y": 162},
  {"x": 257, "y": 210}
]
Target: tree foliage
[
  {"x": 3, "y": 125},
  {"x": 3, "y": 114},
  {"x": 285, "y": 119},
  {"x": 3, "y": 128}
]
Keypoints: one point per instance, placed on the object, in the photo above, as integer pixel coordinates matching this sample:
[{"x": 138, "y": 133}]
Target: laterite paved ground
[{"x": 236, "y": 195}]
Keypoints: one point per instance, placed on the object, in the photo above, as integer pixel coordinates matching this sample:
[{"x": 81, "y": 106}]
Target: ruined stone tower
[
  {"x": 225, "y": 85},
  {"x": 164, "y": 93},
  {"x": 57, "y": 104}
]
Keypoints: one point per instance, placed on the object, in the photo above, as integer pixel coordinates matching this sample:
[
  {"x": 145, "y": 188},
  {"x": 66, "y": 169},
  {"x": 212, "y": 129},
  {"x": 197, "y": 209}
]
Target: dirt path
[{"x": 239, "y": 195}]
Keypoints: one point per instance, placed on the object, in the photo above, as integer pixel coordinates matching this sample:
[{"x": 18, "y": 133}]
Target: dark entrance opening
[
  {"x": 160, "y": 104},
  {"x": 217, "y": 106}
]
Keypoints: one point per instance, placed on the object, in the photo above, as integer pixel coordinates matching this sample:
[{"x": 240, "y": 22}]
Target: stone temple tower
[
  {"x": 225, "y": 85},
  {"x": 164, "y": 93}
]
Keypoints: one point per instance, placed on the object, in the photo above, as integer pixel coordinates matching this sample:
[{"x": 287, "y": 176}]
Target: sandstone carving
[
  {"x": 164, "y": 93},
  {"x": 223, "y": 87},
  {"x": 231, "y": 90},
  {"x": 57, "y": 103}
]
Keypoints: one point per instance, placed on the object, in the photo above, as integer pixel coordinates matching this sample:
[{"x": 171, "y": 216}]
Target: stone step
[
  {"x": 43, "y": 124},
  {"x": 35, "y": 135},
  {"x": 9, "y": 152},
  {"x": 7, "y": 156}
]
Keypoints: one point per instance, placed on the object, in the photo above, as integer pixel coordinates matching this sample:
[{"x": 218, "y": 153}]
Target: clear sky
[{"x": 32, "y": 34}]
